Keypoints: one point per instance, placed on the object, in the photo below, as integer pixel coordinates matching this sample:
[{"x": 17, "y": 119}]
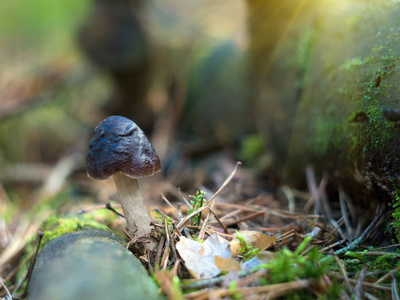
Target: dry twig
[
  {"x": 269, "y": 291},
  {"x": 395, "y": 290},
  {"x": 344, "y": 273},
  {"x": 358, "y": 287},
  {"x": 212, "y": 200}
]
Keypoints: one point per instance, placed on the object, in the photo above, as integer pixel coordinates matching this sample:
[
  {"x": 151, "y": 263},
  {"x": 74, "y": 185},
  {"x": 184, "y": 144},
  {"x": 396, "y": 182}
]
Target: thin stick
[
  {"x": 371, "y": 285},
  {"x": 277, "y": 229},
  {"x": 231, "y": 214},
  {"x": 109, "y": 207},
  {"x": 369, "y": 296},
  {"x": 177, "y": 233},
  {"x": 199, "y": 284},
  {"x": 358, "y": 241},
  {"x": 333, "y": 245},
  {"x": 180, "y": 216},
  {"x": 10, "y": 275},
  {"x": 175, "y": 268},
  {"x": 7, "y": 291},
  {"x": 212, "y": 200},
  {"x": 164, "y": 261},
  {"x": 28, "y": 275},
  {"x": 251, "y": 278},
  {"x": 290, "y": 197},
  {"x": 283, "y": 240},
  {"x": 314, "y": 191},
  {"x": 314, "y": 232},
  {"x": 172, "y": 245},
  {"x": 179, "y": 209},
  {"x": 211, "y": 231},
  {"x": 323, "y": 200},
  {"x": 182, "y": 223},
  {"x": 395, "y": 290},
  {"x": 291, "y": 287},
  {"x": 384, "y": 277},
  {"x": 340, "y": 223},
  {"x": 344, "y": 202},
  {"x": 169, "y": 204},
  {"x": 186, "y": 220},
  {"x": 286, "y": 234},
  {"x": 184, "y": 199},
  {"x": 269, "y": 211},
  {"x": 271, "y": 291},
  {"x": 346, "y": 220},
  {"x": 386, "y": 247},
  {"x": 344, "y": 273},
  {"x": 91, "y": 208},
  {"x": 245, "y": 218},
  {"x": 358, "y": 292},
  {"x": 156, "y": 209},
  {"x": 159, "y": 250}
]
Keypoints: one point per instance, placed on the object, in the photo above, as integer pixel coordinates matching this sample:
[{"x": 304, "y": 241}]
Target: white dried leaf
[{"x": 200, "y": 257}]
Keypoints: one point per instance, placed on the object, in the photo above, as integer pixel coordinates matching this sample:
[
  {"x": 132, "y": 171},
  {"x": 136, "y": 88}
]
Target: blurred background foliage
[
  {"x": 53, "y": 92},
  {"x": 200, "y": 78}
]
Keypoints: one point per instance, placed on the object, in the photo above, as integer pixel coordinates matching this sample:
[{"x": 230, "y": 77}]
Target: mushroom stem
[{"x": 135, "y": 211}]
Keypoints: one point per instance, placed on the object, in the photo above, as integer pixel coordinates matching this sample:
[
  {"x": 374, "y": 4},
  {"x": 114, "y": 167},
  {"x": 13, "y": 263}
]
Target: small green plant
[
  {"x": 232, "y": 286},
  {"x": 176, "y": 285},
  {"x": 161, "y": 218},
  {"x": 197, "y": 202},
  {"x": 197, "y": 239},
  {"x": 247, "y": 251},
  {"x": 289, "y": 266}
]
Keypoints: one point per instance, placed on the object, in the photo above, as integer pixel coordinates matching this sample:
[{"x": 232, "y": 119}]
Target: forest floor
[{"x": 291, "y": 244}]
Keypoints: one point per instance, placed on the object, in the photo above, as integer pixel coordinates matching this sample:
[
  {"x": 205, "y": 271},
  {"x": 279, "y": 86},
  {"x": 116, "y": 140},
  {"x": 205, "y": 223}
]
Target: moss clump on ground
[
  {"x": 376, "y": 263},
  {"x": 56, "y": 226},
  {"x": 289, "y": 266}
]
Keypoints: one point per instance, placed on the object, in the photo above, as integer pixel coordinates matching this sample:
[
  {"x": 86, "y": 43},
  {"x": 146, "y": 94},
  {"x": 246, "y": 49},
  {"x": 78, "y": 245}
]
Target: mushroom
[{"x": 120, "y": 149}]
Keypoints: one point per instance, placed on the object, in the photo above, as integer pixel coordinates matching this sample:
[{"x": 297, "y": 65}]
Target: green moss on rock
[{"x": 339, "y": 125}]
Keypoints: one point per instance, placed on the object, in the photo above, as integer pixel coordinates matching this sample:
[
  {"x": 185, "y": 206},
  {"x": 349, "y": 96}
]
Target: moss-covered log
[{"x": 89, "y": 264}]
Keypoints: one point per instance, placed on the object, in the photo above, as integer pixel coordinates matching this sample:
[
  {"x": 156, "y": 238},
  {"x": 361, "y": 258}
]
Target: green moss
[
  {"x": 325, "y": 130},
  {"x": 382, "y": 263},
  {"x": 252, "y": 148},
  {"x": 368, "y": 95},
  {"x": 352, "y": 64},
  {"x": 289, "y": 266},
  {"x": 367, "y": 86},
  {"x": 304, "y": 49},
  {"x": 232, "y": 286},
  {"x": 396, "y": 213},
  {"x": 56, "y": 226}
]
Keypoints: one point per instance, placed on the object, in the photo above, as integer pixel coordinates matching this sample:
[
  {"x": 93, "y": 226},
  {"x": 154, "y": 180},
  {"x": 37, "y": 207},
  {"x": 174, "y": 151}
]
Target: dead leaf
[
  {"x": 252, "y": 238},
  {"x": 227, "y": 264},
  {"x": 165, "y": 279},
  {"x": 200, "y": 257}
]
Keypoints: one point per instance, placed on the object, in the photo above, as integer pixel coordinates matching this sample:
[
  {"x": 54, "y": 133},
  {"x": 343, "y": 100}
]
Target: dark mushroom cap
[{"x": 119, "y": 145}]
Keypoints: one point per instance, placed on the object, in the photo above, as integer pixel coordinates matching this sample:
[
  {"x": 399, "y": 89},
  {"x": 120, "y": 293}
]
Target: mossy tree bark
[{"x": 336, "y": 69}]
